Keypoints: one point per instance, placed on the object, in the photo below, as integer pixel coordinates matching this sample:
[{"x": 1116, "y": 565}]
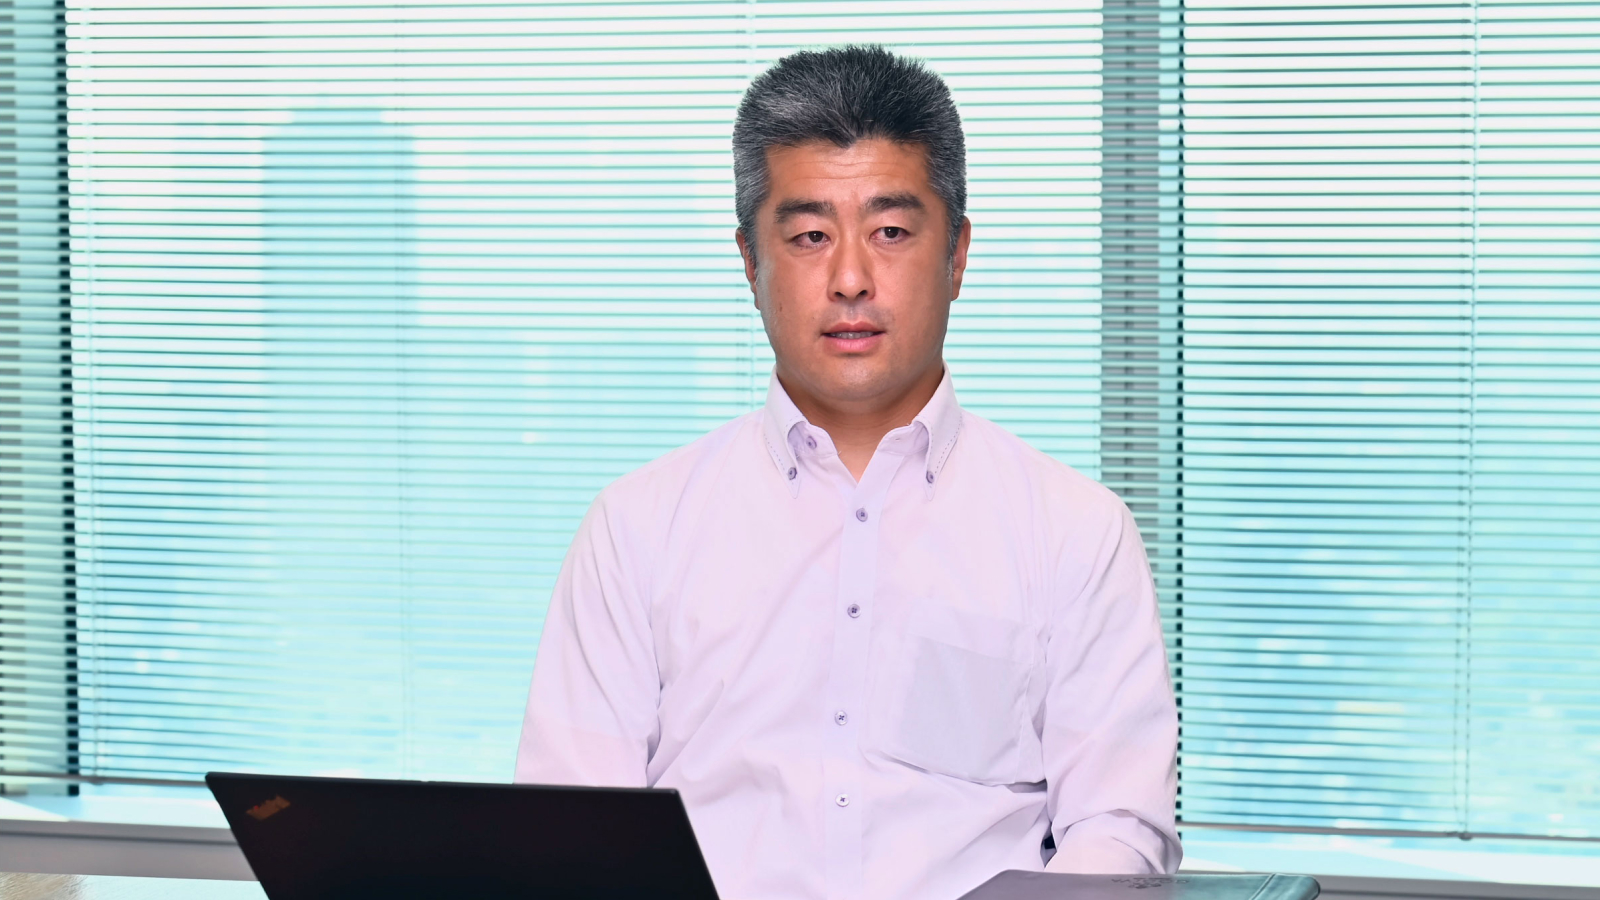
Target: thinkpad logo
[
  {"x": 1142, "y": 883},
  {"x": 262, "y": 810}
]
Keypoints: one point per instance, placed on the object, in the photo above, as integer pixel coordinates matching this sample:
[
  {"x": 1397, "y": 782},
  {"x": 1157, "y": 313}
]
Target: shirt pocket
[{"x": 954, "y": 698}]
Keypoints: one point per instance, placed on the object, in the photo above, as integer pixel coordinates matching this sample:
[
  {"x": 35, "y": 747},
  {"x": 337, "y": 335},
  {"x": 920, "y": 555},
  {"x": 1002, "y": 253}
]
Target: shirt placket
[{"x": 854, "y": 609}]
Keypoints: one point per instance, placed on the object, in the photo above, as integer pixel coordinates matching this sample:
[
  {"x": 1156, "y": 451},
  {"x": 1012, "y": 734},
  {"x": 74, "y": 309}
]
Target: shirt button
[
  {"x": 840, "y": 717},
  {"x": 930, "y": 478},
  {"x": 842, "y": 799},
  {"x": 793, "y": 472},
  {"x": 861, "y": 515},
  {"x": 853, "y": 610},
  {"x": 811, "y": 442}
]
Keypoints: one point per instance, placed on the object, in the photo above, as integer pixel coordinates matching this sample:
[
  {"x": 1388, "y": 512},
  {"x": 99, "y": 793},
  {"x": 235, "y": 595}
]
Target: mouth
[{"x": 852, "y": 337}]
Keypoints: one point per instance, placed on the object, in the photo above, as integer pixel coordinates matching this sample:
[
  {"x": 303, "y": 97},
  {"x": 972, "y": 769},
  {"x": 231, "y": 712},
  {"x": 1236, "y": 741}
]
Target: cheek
[
  {"x": 926, "y": 311},
  {"x": 784, "y": 311},
  {"x": 777, "y": 312}
]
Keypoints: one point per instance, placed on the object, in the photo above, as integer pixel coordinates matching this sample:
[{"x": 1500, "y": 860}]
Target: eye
[
  {"x": 813, "y": 237},
  {"x": 893, "y": 232}
]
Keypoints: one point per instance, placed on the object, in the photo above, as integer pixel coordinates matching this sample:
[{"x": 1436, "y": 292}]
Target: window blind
[
  {"x": 36, "y": 646},
  {"x": 367, "y": 301},
  {"x": 1391, "y": 479}
]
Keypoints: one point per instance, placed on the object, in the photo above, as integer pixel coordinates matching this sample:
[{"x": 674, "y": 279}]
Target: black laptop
[{"x": 353, "y": 839}]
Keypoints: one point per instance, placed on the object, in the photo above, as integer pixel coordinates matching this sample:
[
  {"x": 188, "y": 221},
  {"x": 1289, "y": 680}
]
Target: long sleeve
[
  {"x": 1110, "y": 724},
  {"x": 592, "y": 710}
]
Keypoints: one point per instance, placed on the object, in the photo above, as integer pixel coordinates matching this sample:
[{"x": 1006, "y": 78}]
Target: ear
[
  {"x": 958, "y": 260},
  {"x": 748, "y": 252}
]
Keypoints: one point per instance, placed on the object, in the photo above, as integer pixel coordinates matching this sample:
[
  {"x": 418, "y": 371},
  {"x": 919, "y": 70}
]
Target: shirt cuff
[{"x": 1114, "y": 844}]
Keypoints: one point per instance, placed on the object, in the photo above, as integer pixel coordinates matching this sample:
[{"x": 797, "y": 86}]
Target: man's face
[{"x": 854, "y": 278}]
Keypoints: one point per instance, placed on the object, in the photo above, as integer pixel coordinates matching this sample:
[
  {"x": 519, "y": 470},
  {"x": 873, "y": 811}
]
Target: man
[{"x": 883, "y": 648}]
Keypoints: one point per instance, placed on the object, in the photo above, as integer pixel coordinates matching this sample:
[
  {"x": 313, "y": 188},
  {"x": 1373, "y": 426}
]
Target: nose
[{"x": 851, "y": 278}]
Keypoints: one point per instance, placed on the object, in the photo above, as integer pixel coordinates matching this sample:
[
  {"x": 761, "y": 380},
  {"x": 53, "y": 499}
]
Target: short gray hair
[{"x": 843, "y": 95}]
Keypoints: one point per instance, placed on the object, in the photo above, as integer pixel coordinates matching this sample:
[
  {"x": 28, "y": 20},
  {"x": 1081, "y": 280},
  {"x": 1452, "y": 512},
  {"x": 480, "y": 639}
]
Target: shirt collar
[
  {"x": 940, "y": 419},
  {"x": 782, "y": 417}
]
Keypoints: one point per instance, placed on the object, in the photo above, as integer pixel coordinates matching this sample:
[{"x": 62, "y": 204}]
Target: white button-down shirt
[{"x": 887, "y": 689}]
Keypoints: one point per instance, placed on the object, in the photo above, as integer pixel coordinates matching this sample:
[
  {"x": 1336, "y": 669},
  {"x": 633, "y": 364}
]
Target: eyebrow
[
  {"x": 886, "y": 202},
  {"x": 788, "y": 209}
]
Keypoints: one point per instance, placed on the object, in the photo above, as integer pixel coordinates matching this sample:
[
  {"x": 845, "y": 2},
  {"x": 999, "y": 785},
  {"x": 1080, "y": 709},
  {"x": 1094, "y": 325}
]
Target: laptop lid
[
  {"x": 1016, "y": 884},
  {"x": 347, "y": 838}
]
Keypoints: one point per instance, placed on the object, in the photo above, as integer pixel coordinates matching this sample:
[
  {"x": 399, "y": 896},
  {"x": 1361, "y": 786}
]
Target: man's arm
[
  {"x": 1110, "y": 724},
  {"x": 591, "y": 715}
]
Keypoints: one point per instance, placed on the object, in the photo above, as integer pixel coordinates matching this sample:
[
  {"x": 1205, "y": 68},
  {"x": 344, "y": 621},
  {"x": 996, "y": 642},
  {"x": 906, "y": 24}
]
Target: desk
[{"x": 19, "y": 886}]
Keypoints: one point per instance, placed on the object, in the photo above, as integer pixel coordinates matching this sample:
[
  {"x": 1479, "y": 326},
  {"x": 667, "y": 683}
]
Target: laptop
[
  {"x": 355, "y": 838},
  {"x": 1015, "y": 884}
]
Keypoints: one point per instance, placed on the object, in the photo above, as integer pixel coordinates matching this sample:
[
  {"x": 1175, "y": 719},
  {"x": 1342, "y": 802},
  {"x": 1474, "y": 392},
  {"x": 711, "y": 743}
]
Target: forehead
[{"x": 821, "y": 170}]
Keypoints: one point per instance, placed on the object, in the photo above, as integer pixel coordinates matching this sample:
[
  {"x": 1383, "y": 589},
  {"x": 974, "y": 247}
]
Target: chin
[{"x": 855, "y": 386}]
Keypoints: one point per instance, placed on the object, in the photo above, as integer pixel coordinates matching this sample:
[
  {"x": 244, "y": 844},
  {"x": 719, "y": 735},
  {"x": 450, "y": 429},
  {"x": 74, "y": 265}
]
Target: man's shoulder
[
  {"x": 666, "y": 478},
  {"x": 1044, "y": 477}
]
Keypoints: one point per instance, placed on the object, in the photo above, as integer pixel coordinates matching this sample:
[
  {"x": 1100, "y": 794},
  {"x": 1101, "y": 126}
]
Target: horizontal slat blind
[
  {"x": 36, "y": 664},
  {"x": 370, "y": 300},
  {"x": 1391, "y": 514},
  {"x": 1533, "y": 554}
]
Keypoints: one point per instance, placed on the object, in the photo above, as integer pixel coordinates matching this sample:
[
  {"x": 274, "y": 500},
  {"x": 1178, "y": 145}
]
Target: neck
[{"x": 857, "y": 427}]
